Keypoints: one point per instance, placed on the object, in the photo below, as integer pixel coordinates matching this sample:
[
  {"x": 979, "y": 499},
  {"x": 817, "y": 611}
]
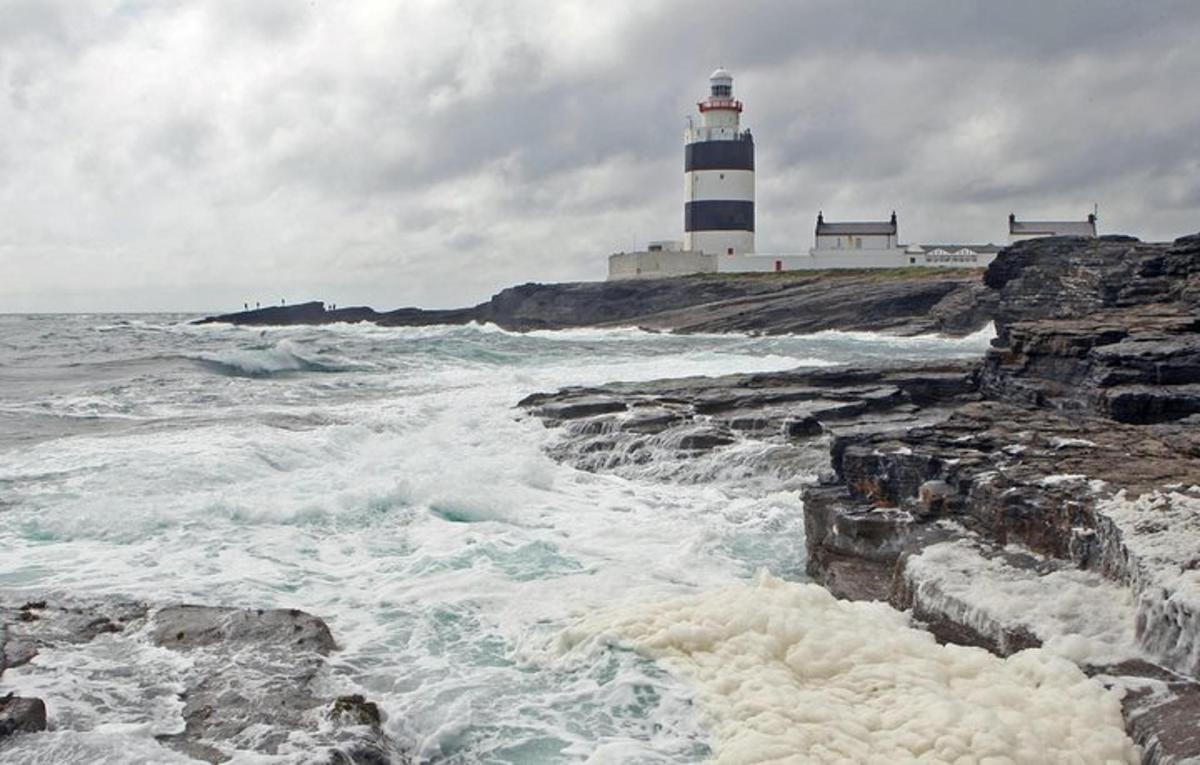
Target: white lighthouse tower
[{"x": 718, "y": 194}]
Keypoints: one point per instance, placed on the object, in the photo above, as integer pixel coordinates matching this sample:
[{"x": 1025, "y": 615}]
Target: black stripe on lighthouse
[
  {"x": 718, "y": 215},
  {"x": 718, "y": 155}
]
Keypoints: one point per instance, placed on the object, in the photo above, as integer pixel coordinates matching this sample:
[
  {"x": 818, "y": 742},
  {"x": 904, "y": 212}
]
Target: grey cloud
[{"x": 451, "y": 150}]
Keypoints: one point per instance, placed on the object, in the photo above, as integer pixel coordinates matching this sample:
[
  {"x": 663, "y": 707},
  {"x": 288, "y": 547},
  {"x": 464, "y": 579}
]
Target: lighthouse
[{"x": 718, "y": 175}]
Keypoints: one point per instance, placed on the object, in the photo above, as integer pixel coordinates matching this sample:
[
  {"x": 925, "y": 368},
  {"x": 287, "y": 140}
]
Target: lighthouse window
[
  {"x": 722, "y": 176},
  {"x": 722, "y": 91}
]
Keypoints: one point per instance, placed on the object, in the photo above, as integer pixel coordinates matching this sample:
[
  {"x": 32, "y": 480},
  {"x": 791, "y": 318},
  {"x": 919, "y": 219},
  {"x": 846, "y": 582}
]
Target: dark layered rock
[
  {"x": 918, "y": 301},
  {"x": 1161, "y": 709},
  {"x": 1071, "y": 453},
  {"x": 1108, "y": 326},
  {"x": 625, "y": 424},
  {"x": 257, "y": 680}
]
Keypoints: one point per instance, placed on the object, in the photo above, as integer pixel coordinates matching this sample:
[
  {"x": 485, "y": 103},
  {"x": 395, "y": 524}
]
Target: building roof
[
  {"x": 883, "y": 227},
  {"x": 1053, "y": 227}
]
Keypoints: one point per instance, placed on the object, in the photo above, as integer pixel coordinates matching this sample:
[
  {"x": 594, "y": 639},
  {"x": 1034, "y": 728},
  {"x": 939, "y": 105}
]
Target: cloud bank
[{"x": 196, "y": 155}]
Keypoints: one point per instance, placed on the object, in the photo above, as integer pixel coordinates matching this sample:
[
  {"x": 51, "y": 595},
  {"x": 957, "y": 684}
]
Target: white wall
[
  {"x": 721, "y": 118},
  {"x": 718, "y": 184},
  {"x": 719, "y": 242},
  {"x": 825, "y": 259},
  {"x": 657, "y": 265},
  {"x": 847, "y": 242}
]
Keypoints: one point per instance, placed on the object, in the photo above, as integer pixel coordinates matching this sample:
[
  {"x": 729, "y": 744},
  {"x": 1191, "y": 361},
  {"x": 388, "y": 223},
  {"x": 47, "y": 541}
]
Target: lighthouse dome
[{"x": 721, "y": 73}]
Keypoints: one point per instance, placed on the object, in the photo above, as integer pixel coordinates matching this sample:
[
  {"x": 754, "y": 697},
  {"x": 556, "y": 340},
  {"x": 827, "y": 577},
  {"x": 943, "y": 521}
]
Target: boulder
[{"x": 21, "y": 715}]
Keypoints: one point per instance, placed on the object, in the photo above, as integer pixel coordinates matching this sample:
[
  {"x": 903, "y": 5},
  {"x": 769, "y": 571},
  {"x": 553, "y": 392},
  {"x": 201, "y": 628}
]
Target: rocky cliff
[
  {"x": 910, "y": 302},
  {"x": 1046, "y": 495}
]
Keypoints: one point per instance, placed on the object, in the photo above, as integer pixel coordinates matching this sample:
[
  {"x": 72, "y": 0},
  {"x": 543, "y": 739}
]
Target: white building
[
  {"x": 841, "y": 245},
  {"x": 718, "y": 216},
  {"x": 1020, "y": 230},
  {"x": 856, "y": 235}
]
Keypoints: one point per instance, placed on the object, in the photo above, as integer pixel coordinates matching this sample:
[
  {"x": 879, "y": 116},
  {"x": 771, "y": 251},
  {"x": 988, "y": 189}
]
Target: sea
[{"x": 385, "y": 480}]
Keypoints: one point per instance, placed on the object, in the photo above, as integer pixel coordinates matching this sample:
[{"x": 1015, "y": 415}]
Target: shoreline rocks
[
  {"x": 248, "y": 680},
  {"x": 1046, "y": 495}
]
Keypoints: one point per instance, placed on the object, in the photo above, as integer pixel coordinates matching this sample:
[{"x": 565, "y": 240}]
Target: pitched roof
[
  {"x": 1053, "y": 227},
  {"x": 856, "y": 227},
  {"x": 870, "y": 227}
]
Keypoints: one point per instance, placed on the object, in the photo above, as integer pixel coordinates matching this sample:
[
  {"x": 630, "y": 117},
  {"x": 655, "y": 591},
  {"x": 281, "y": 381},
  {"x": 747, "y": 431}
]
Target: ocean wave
[
  {"x": 282, "y": 358},
  {"x": 980, "y": 339}
]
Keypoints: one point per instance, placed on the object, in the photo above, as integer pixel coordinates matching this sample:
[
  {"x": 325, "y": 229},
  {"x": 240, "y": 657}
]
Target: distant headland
[{"x": 909, "y": 301}]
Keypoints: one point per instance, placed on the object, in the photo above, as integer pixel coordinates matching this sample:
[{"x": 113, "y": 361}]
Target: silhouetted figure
[
  {"x": 282, "y": 301},
  {"x": 245, "y": 306},
  {"x": 256, "y": 305}
]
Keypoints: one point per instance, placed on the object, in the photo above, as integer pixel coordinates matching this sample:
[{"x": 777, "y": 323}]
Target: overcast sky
[{"x": 198, "y": 154}]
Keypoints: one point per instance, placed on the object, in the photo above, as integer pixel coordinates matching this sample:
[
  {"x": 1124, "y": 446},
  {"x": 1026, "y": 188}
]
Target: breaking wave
[{"x": 282, "y": 358}]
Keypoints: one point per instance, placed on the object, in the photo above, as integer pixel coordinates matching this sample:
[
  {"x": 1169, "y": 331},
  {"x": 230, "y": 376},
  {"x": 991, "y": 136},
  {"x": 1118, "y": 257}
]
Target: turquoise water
[{"x": 384, "y": 480}]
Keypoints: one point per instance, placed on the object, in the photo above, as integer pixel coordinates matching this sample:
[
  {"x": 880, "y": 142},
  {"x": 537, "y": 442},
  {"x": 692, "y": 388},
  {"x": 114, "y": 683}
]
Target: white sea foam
[
  {"x": 979, "y": 340},
  {"x": 789, "y": 673},
  {"x": 1077, "y": 614}
]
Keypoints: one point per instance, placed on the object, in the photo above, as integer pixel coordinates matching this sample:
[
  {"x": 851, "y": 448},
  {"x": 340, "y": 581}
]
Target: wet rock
[
  {"x": 256, "y": 684},
  {"x": 21, "y": 715},
  {"x": 188, "y": 626},
  {"x": 40, "y": 623},
  {"x": 579, "y": 408},
  {"x": 935, "y": 498},
  {"x": 704, "y": 439},
  {"x": 634, "y": 422},
  {"x": 1161, "y": 709},
  {"x": 801, "y": 427},
  {"x": 355, "y": 710},
  {"x": 653, "y": 421},
  {"x": 260, "y": 671}
]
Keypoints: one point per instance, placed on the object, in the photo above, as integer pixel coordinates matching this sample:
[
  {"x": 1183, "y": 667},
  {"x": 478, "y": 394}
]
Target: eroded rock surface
[{"x": 250, "y": 680}]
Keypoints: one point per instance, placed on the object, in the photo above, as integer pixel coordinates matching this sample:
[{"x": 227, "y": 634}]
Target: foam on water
[
  {"x": 396, "y": 492},
  {"x": 787, "y": 670}
]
